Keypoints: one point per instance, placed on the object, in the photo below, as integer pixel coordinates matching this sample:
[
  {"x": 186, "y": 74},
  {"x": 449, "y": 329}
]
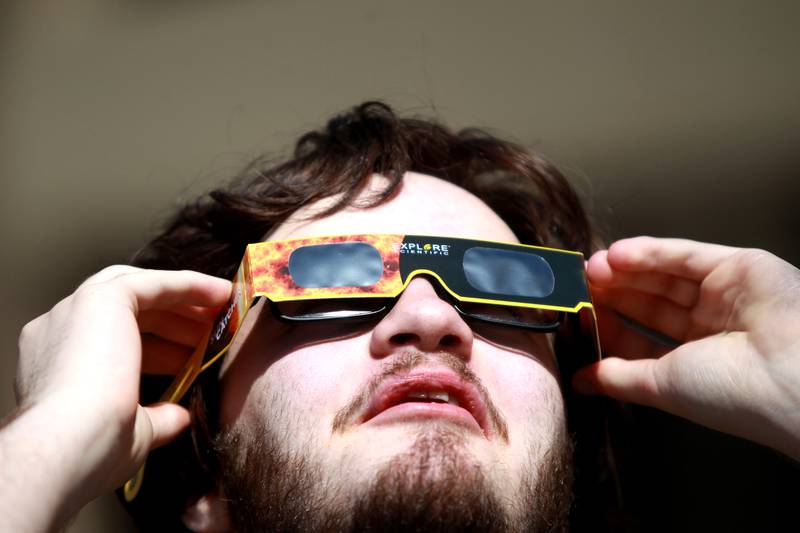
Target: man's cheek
[
  {"x": 526, "y": 396},
  {"x": 319, "y": 384}
]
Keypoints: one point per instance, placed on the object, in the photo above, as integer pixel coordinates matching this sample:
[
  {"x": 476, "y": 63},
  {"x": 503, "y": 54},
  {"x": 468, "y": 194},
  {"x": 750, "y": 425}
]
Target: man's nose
[{"x": 421, "y": 320}]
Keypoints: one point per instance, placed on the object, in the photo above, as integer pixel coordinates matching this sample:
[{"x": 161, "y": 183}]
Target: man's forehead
[{"x": 423, "y": 205}]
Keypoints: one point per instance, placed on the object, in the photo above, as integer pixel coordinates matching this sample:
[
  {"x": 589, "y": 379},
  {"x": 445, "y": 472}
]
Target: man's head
[{"x": 339, "y": 426}]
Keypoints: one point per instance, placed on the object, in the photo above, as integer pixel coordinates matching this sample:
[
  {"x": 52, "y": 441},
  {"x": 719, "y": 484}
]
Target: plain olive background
[{"x": 672, "y": 119}]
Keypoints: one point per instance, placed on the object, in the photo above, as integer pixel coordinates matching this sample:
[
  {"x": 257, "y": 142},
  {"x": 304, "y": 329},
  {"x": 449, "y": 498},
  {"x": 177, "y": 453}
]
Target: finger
[
  {"x": 167, "y": 421},
  {"x": 152, "y": 289},
  {"x": 627, "y": 381},
  {"x": 171, "y": 327},
  {"x": 657, "y": 313},
  {"x": 109, "y": 273},
  {"x": 163, "y": 357},
  {"x": 679, "y": 257},
  {"x": 198, "y": 313},
  {"x": 680, "y": 290}
]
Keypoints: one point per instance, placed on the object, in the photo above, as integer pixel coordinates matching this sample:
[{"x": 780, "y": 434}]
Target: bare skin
[
  {"x": 79, "y": 430},
  {"x": 315, "y": 381},
  {"x": 734, "y": 314}
]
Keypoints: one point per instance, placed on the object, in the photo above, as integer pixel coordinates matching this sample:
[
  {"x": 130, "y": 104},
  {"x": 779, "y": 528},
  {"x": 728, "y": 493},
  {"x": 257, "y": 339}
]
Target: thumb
[
  {"x": 168, "y": 420},
  {"x": 627, "y": 381},
  {"x": 157, "y": 425}
]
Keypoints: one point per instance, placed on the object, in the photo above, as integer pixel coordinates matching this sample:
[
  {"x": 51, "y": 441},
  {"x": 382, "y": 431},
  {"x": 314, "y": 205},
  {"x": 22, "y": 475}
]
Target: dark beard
[{"x": 432, "y": 487}]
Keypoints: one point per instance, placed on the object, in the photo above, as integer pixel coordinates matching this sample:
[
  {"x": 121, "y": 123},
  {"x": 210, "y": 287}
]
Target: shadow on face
[{"x": 265, "y": 340}]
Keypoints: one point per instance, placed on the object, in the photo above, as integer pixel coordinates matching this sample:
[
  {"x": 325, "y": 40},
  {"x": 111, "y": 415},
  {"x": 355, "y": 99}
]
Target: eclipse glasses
[{"x": 358, "y": 278}]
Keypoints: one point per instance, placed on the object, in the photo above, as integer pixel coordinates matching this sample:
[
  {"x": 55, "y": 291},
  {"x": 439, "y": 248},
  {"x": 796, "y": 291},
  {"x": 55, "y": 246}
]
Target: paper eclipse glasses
[{"x": 358, "y": 277}]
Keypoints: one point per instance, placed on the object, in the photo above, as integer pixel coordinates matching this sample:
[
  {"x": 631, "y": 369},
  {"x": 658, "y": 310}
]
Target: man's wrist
[{"x": 40, "y": 483}]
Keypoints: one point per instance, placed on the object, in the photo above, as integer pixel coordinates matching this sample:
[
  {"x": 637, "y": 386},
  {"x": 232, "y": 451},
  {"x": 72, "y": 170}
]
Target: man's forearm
[{"x": 35, "y": 473}]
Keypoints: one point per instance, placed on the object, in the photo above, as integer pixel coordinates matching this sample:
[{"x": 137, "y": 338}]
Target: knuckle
[
  {"x": 87, "y": 293},
  {"x": 109, "y": 273},
  {"x": 90, "y": 295},
  {"x": 28, "y": 333},
  {"x": 643, "y": 242},
  {"x": 113, "y": 271},
  {"x": 749, "y": 261},
  {"x": 644, "y": 239},
  {"x": 753, "y": 256},
  {"x": 28, "y": 330}
]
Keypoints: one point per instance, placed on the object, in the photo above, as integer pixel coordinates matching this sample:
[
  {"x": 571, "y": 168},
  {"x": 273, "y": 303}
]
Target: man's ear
[{"x": 208, "y": 514}]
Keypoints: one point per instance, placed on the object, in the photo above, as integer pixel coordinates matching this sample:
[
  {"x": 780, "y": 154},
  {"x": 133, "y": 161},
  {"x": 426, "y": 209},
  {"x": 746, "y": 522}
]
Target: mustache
[{"x": 405, "y": 362}]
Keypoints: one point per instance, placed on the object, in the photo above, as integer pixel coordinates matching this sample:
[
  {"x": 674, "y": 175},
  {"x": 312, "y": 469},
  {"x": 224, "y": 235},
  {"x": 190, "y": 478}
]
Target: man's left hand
[{"x": 735, "y": 316}]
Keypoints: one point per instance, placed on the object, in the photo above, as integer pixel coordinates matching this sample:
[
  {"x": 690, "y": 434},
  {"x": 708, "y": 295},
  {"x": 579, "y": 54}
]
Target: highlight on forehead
[{"x": 423, "y": 205}]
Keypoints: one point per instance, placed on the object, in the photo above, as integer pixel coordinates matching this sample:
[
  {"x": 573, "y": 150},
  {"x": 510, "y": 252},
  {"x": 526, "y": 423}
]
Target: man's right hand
[{"x": 79, "y": 430}]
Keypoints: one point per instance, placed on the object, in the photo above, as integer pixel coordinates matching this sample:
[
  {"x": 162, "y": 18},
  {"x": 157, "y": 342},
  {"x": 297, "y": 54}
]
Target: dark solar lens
[
  {"x": 345, "y": 264},
  {"x": 329, "y": 309},
  {"x": 508, "y": 272},
  {"x": 506, "y": 314}
]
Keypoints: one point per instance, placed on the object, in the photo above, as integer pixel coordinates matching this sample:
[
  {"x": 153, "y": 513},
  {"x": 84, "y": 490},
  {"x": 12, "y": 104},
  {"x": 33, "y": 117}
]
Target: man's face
[{"x": 416, "y": 420}]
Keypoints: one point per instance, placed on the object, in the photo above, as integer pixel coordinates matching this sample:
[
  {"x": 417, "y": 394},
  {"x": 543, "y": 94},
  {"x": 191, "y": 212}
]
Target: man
[{"x": 286, "y": 431}]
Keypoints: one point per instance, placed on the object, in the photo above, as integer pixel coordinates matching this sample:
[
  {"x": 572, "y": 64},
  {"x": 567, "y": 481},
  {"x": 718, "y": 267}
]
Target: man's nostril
[
  {"x": 403, "y": 338},
  {"x": 449, "y": 341}
]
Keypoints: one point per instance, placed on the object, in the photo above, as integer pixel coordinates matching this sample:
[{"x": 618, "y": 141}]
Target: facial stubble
[{"x": 435, "y": 485}]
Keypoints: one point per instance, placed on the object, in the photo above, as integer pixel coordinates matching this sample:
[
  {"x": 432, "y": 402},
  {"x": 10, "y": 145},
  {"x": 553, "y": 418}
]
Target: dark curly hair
[{"x": 210, "y": 235}]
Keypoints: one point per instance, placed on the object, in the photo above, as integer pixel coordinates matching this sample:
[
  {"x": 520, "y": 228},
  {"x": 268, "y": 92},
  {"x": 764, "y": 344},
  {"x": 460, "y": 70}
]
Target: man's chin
[
  {"x": 434, "y": 450},
  {"x": 435, "y": 484},
  {"x": 405, "y": 477}
]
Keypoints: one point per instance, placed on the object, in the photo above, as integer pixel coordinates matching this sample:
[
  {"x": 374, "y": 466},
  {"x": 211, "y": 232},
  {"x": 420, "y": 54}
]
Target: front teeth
[{"x": 442, "y": 397}]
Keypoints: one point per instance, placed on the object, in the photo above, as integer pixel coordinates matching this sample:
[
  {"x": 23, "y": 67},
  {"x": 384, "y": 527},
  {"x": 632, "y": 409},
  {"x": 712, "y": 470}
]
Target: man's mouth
[{"x": 428, "y": 394}]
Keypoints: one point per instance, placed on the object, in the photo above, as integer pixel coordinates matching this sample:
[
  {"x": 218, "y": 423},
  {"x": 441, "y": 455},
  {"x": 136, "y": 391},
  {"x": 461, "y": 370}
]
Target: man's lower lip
[{"x": 430, "y": 411}]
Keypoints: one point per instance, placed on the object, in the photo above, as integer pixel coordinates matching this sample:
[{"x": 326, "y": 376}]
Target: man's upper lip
[{"x": 395, "y": 390}]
